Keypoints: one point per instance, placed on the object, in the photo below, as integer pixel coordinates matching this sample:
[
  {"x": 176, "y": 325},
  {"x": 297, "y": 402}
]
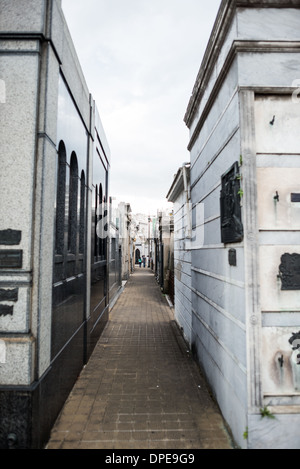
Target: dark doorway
[{"x": 137, "y": 256}]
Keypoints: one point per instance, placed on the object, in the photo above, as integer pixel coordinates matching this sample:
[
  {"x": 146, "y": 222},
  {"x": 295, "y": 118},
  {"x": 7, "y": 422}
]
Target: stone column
[{"x": 29, "y": 71}]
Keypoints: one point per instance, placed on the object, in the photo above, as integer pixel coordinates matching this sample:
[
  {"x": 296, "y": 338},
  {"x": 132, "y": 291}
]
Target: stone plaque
[
  {"x": 295, "y": 340},
  {"x": 295, "y": 343},
  {"x": 289, "y": 272},
  {"x": 231, "y": 215},
  {"x": 10, "y": 237},
  {"x": 11, "y": 259}
]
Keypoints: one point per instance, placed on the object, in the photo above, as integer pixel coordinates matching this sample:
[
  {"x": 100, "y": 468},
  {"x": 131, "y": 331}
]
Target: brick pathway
[{"x": 141, "y": 389}]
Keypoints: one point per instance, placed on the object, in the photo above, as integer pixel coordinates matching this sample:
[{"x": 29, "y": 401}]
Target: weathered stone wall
[
  {"x": 179, "y": 195},
  {"x": 239, "y": 327}
]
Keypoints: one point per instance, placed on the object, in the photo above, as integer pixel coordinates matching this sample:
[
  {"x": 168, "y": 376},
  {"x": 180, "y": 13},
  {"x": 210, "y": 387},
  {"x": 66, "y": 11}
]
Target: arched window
[
  {"x": 82, "y": 213},
  {"x": 60, "y": 199},
  {"x": 100, "y": 194},
  {"x": 100, "y": 214},
  {"x": 99, "y": 222},
  {"x": 105, "y": 226},
  {"x": 73, "y": 202},
  {"x": 96, "y": 221}
]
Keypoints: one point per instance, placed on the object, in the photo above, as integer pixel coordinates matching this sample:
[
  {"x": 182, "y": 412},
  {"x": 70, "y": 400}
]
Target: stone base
[
  {"x": 280, "y": 432},
  {"x": 29, "y": 413}
]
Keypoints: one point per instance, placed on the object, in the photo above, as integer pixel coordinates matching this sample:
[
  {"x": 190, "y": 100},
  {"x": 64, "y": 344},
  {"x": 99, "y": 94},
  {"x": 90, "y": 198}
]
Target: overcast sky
[{"x": 140, "y": 59}]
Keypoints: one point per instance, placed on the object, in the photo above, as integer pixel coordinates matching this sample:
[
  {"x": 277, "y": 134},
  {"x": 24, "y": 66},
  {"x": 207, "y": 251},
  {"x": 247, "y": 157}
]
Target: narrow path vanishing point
[{"x": 141, "y": 389}]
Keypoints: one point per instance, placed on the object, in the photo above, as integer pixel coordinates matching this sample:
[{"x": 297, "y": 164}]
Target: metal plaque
[
  {"x": 232, "y": 257},
  {"x": 9, "y": 295},
  {"x": 10, "y": 237},
  {"x": 295, "y": 197},
  {"x": 6, "y": 310},
  {"x": 11, "y": 259},
  {"x": 231, "y": 215},
  {"x": 289, "y": 272}
]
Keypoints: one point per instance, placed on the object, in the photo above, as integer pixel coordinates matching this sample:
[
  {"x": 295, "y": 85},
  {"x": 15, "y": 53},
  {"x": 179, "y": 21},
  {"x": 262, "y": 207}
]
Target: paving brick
[{"x": 141, "y": 388}]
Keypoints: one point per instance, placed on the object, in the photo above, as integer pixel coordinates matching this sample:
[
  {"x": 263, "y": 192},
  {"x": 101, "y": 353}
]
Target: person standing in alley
[
  {"x": 144, "y": 261},
  {"x": 140, "y": 262}
]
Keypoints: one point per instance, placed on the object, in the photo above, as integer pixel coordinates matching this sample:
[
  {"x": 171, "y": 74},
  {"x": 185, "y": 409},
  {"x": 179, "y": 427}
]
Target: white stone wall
[
  {"x": 258, "y": 51},
  {"x": 278, "y": 173},
  {"x": 218, "y": 289},
  {"x": 182, "y": 269}
]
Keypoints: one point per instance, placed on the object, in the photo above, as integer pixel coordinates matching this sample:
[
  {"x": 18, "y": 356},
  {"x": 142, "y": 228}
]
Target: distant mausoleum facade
[
  {"x": 244, "y": 321},
  {"x": 180, "y": 195}
]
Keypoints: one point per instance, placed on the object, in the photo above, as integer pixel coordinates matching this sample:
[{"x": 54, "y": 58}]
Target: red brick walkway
[{"x": 141, "y": 389}]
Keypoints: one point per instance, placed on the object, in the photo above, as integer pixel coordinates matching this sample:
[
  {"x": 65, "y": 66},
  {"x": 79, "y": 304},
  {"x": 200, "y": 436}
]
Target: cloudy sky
[{"x": 140, "y": 59}]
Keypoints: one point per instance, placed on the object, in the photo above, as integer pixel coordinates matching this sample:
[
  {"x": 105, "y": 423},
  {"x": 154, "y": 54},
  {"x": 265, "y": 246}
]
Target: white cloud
[{"x": 140, "y": 59}]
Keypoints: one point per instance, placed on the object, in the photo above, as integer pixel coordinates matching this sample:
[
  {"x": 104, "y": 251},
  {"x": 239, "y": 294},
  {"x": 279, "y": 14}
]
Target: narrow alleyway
[{"x": 141, "y": 389}]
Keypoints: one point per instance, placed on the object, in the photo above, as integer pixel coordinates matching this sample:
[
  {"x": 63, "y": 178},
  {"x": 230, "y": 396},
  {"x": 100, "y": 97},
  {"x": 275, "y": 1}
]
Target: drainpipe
[{"x": 188, "y": 198}]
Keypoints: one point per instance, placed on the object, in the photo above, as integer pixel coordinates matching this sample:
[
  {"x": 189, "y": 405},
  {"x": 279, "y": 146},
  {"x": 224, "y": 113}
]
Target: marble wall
[{"x": 44, "y": 102}]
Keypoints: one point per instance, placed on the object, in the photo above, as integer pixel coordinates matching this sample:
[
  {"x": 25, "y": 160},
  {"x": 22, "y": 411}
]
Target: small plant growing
[
  {"x": 241, "y": 193},
  {"x": 264, "y": 412},
  {"x": 245, "y": 434}
]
